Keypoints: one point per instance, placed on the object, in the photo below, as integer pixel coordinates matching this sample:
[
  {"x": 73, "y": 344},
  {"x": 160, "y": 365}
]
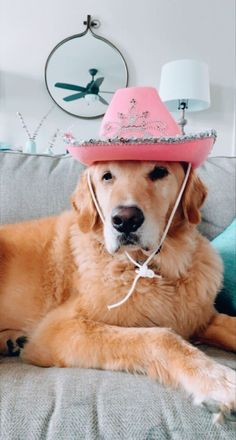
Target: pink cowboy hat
[{"x": 138, "y": 126}]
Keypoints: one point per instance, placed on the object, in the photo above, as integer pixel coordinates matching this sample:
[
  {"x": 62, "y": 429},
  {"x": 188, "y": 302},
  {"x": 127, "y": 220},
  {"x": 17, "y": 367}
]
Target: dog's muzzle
[{"x": 127, "y": 219}]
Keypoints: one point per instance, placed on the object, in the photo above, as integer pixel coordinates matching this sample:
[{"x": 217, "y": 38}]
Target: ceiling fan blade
[
  {"x": 70, "y": 87},
  {"x": 101, "y": 99},
  {"x": 74, "y": 97},
  {"x": 98, "y": 81}
]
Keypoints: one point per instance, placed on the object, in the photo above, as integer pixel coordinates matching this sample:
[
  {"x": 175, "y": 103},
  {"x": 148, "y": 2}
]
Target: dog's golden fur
[{"x": 57, "y": 278}]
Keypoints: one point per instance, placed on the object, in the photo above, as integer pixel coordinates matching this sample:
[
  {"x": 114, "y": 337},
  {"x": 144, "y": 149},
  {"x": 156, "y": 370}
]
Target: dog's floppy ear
[
  {"x": 83, "y": 204},
  {"x": 193, "y": 198}
]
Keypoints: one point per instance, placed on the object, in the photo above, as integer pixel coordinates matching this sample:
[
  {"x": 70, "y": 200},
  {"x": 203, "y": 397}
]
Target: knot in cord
[{"x": 144, "y": 272}]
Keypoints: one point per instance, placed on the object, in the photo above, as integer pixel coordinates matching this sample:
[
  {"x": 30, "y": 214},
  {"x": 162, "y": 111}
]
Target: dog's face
[{"x": 136, "y": 199}]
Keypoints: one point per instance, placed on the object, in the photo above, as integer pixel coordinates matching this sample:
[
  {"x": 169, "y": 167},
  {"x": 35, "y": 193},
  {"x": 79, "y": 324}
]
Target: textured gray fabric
[
  {"x": 219, "y": 175},
  {"x": 33, "y": 186},
  {"x": 71, "y": 403}
]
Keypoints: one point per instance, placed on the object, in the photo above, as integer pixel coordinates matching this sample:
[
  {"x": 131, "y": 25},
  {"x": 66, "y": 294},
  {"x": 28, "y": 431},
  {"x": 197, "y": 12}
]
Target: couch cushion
[
  {"x": 33, "y": 186},
  {"x": 71, "y": 403},
  {"x": 218, "y": 173},
  {"x": 225, "y": 244}
]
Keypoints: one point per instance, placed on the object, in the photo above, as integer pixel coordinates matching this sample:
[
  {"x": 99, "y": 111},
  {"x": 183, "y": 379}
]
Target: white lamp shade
[{"x": 183, "y": 80}]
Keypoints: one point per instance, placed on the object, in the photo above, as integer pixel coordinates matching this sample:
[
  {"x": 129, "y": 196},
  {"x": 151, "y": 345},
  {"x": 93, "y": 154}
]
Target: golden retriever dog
[{"x": 59, "y": 274}]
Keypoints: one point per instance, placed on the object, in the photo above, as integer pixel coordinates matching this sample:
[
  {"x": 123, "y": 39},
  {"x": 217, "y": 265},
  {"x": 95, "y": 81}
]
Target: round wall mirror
[{"x": 82, "y": 73}]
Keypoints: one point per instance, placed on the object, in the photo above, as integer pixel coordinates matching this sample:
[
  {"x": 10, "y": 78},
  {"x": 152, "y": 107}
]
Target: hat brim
[{"x": 193, "y": 149}]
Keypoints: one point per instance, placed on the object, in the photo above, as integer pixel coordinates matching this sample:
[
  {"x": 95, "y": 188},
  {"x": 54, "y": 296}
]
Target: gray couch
[{"x": 55, "y": 404}]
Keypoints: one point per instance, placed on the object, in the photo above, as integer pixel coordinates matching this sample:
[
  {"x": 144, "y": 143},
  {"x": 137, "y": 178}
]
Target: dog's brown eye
[
  {"x": 107, "y": 176},
  {"x": 158, "y": 173}
]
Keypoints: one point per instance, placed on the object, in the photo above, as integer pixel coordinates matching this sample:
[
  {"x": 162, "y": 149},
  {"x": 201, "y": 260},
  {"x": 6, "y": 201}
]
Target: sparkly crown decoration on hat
[{"x": 133, "y": 122}]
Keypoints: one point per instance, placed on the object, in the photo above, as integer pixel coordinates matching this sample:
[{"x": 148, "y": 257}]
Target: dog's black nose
[{"x": 127, "y": 219}]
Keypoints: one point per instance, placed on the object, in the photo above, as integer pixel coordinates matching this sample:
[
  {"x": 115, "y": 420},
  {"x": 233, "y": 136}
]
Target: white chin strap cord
[{"x": 142, "y": 270}]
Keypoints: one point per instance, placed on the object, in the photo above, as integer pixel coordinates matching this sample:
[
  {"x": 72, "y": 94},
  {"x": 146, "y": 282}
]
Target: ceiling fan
[{"x": 92, "y": 88}]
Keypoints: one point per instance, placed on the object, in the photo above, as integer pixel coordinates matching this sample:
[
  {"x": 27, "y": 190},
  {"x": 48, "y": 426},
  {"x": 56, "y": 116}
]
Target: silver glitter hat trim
[{"x": 147, "y": 140}]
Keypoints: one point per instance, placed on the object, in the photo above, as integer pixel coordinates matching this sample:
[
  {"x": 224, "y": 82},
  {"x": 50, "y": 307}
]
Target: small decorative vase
[{"x": 30, "y": 147}]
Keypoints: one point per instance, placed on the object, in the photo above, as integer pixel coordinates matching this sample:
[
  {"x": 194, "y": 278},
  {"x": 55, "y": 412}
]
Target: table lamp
[{"x": 184, "y": 86}]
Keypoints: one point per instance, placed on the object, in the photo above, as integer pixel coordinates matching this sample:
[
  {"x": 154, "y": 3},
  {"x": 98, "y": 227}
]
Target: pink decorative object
[
  {"x": 68, "y": 138},
  {"x": 138, "y": 126}
]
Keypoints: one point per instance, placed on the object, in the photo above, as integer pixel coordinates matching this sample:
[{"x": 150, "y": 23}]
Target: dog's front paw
[
  {"x": 219, "y": 395},
  {"x": 220, "y": 411}
]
